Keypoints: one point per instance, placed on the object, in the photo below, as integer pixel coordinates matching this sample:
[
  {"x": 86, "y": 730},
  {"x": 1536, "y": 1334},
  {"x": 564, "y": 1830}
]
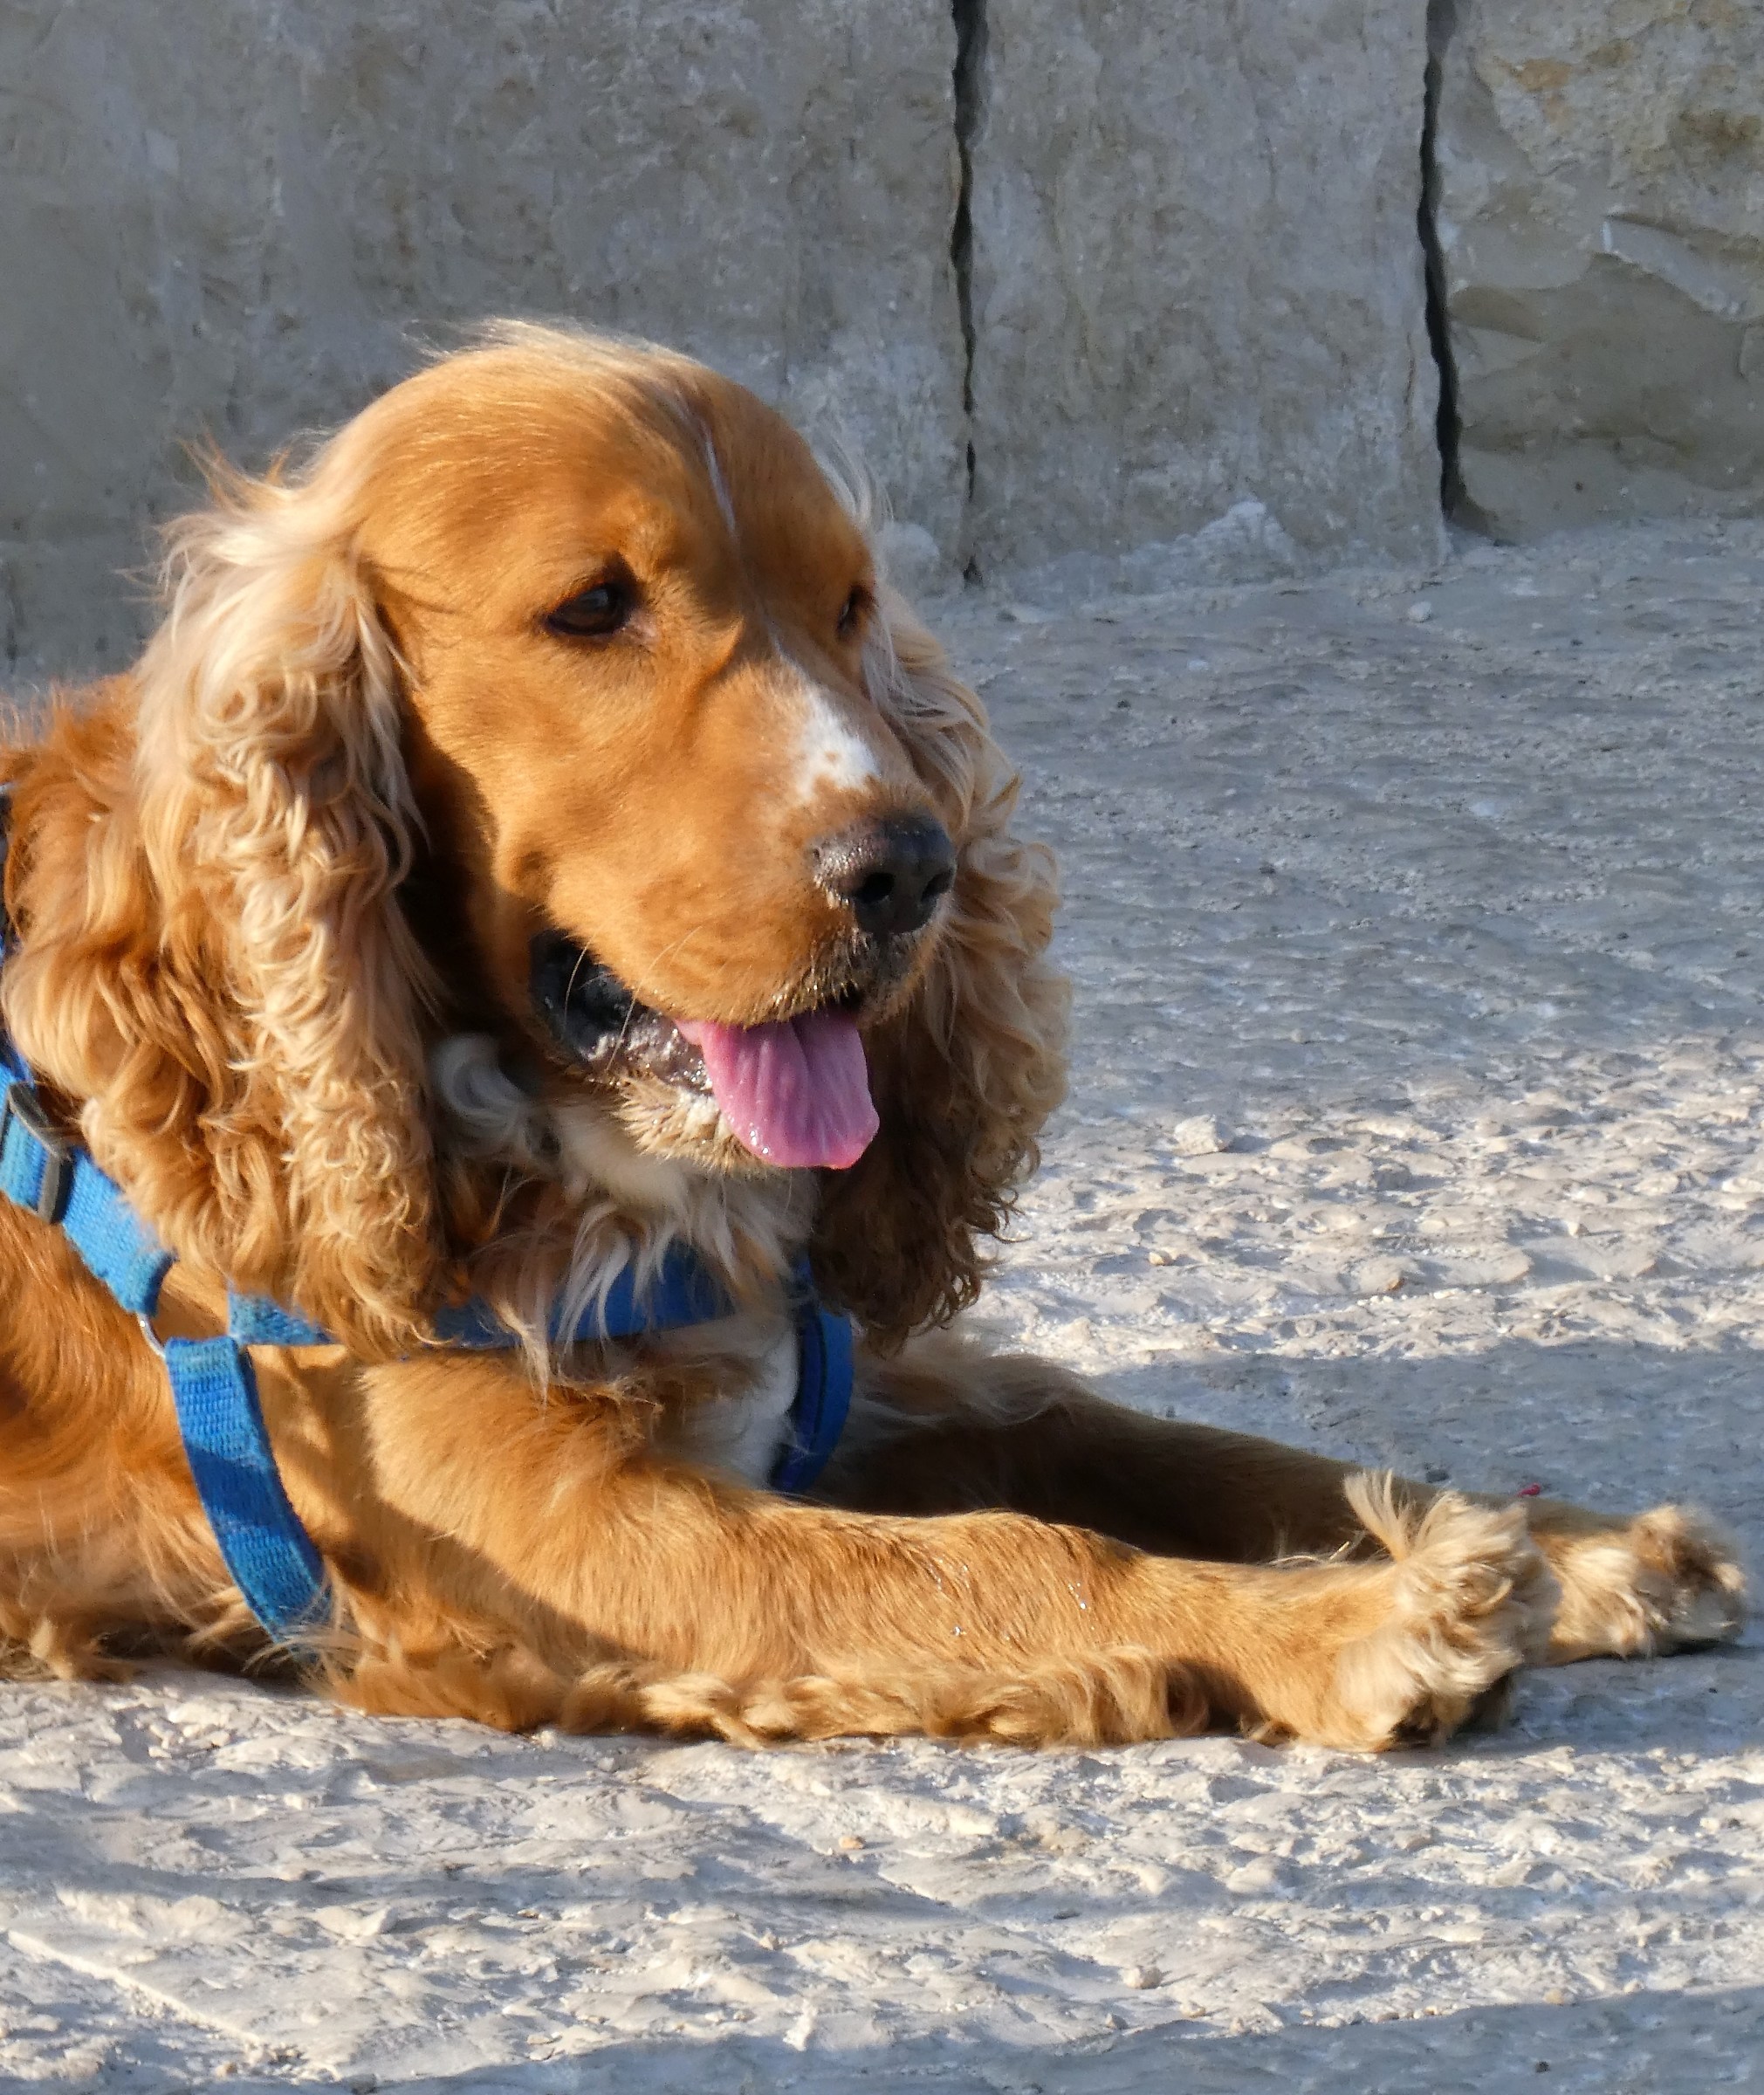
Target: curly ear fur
[
  {"x": 218, "y": 967},
  {"x": 967, "y": 1073}
]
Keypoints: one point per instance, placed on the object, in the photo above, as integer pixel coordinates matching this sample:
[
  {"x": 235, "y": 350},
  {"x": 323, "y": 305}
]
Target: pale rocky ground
[{"x": 1418, "y": 1097}]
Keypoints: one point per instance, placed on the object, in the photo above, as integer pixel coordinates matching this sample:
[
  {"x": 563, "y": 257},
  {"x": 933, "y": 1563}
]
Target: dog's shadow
[{"x": 1615, "y": 1426}]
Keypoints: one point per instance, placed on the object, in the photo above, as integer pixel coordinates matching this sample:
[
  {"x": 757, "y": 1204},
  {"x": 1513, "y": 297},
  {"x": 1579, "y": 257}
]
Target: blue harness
[{"x": 213, "y": 1385}]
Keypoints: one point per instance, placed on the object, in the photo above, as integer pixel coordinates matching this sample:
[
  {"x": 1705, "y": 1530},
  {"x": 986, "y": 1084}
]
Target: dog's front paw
[
  {"x": 1467, "y": 1600},
  {"x": 1666, "y": 1581}
]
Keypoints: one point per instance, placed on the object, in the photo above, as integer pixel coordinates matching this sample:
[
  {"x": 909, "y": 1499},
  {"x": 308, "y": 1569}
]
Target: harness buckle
[{"x": 22, "y": 1105}]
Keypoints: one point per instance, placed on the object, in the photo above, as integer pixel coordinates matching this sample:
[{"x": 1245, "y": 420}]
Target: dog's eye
[
  {"x": 594, "y": 613},
  {"x": 854, "y": 611}
]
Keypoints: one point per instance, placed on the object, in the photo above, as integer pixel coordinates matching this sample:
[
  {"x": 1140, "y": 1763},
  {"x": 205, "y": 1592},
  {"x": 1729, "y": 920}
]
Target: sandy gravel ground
[{"x": 1418, "y": 1100}]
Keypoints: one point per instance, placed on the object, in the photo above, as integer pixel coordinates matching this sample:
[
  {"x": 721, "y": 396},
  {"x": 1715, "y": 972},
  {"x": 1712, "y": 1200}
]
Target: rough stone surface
[
  {"x": 1601, "y": 221},
  {"x": 230, "y": 220},
  {"x": 1195, "y": 328},
  {"x": 1196, "y": 275}
]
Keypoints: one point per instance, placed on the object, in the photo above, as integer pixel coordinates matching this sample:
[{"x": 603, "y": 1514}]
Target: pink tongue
[{"x": 796, "y": 1092}]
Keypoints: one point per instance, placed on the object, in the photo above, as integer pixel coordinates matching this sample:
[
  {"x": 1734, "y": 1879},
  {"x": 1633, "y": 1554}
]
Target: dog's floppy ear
[
  {"x": 963, "y": 1077},
  {"x": 219, "y": 969}
]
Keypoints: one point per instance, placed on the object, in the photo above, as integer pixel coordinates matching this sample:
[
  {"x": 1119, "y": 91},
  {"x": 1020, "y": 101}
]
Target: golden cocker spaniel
[{"x": 536, "y": 844}]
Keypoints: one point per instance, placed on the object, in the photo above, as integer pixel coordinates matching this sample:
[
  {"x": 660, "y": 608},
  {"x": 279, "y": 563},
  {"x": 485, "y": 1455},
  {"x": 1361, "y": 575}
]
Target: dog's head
[
  {"x": 558, "y": 704},
  {"x": 690, "y": 852}
]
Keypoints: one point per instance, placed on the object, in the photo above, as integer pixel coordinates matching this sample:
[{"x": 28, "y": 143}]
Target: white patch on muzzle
[{"x": 832, "y": 757}]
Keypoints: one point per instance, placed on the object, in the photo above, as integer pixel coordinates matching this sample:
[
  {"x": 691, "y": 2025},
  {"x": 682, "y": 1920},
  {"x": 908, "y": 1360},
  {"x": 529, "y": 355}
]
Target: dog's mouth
[{"x": 794, "y": 1092}]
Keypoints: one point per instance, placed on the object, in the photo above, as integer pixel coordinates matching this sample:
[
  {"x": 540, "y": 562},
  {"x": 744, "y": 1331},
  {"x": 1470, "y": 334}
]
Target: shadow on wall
[
  {"x": 1183, "y": 243},
  {"x": 1597, "y": 172},
  {"x": 241, "y": 222},
  {"x": 1074, "y": 278}
]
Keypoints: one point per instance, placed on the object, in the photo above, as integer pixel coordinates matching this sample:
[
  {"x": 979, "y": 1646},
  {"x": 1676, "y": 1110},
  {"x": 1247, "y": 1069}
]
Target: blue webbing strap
[
  {"x": 680, "y": 1291},
  {"x": 254, "y": 1320},
  {"x": 268, "y": 1552},
  {"x": 823, "y": 1389},
  {"x": 41, "y": 1171},
  {"x": 214, "y": 1386}
]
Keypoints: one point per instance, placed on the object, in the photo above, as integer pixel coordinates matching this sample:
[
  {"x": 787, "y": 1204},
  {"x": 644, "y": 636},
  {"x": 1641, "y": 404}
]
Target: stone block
[
  {"x": 1197, "y": 279},
  {"x": 1601, "y": 225},
  {"x": 239, "y": 221}
]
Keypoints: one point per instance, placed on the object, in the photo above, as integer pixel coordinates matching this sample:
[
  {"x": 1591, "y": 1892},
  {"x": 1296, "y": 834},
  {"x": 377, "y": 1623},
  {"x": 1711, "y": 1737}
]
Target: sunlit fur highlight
[{"x": 212, "y": 964}]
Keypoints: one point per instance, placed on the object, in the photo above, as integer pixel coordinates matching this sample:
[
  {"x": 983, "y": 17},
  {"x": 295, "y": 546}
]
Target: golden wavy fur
[{"x": 568, "y": 639}]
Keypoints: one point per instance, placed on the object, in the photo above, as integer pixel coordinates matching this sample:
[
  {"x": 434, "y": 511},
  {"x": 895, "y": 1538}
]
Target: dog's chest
[{"x": 739, "y": 1427}]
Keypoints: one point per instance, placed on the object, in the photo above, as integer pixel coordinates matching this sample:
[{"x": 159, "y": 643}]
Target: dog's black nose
[{"x": 889, "y": 873}]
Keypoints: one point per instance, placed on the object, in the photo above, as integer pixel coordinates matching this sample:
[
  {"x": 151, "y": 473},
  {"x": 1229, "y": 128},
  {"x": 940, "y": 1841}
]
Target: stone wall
[
  {"x": 1073, "y": 278},
  {"x": 1601, "y": 226},
  {"x": 1196, "y": 275},
  {"x": 230, "y": 218}
]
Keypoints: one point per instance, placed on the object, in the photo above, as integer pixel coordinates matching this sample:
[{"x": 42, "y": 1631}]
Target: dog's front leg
[
  {"x": 682, "y": 1601},
  {"x": 950, "y": 1426}
]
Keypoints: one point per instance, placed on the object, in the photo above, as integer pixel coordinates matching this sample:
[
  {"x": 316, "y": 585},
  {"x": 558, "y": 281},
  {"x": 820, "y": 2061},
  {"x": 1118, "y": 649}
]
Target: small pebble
[
  {"x": 1420, "y": 611},
  {"x": 1200, "y": 1136},
  {"x": 1382, "y": 1276}
]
